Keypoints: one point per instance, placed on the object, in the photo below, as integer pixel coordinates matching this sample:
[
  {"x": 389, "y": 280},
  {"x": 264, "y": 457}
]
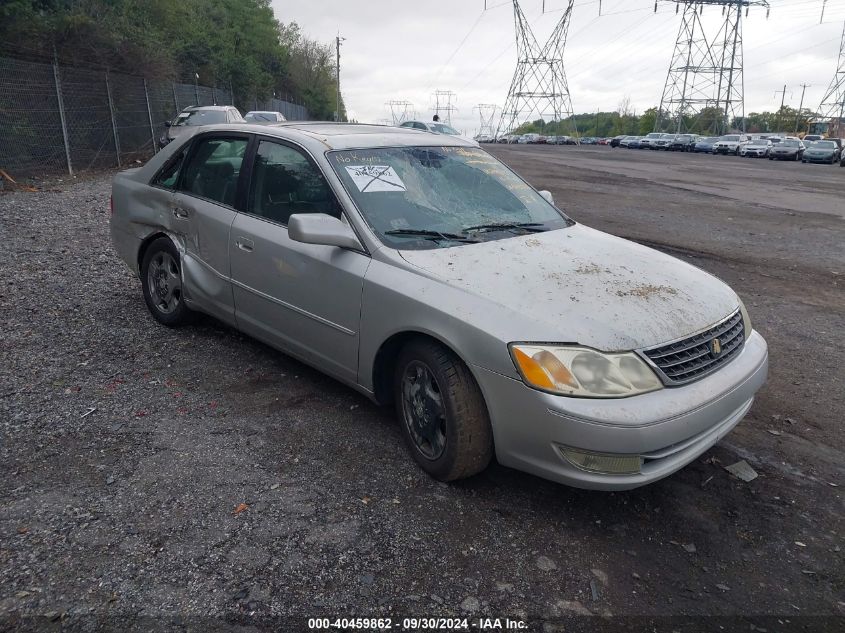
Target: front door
[{"x": 303, "y": 298}]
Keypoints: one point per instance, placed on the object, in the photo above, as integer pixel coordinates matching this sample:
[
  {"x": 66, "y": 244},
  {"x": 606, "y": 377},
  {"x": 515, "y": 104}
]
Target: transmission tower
[
  {"x": 486, "y": 115},
  {"x": 443, "y": 106},
  {"x": 539, "y": 81},
  {"x": 832, "y": 106},
  {"x": 400, "y": 111},
  {"x": 705, "y": 82}
]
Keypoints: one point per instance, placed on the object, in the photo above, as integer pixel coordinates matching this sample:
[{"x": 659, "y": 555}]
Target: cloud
[{"x": 400, "y": 50}]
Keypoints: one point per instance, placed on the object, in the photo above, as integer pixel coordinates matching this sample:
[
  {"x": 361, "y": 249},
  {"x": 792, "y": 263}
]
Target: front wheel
[
  {"x": 161, "y": 278},
  {"x": 442, "y": 412}
]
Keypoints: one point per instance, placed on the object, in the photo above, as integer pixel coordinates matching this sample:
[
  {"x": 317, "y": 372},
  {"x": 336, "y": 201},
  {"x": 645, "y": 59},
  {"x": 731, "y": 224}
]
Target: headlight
[
  {"x": 746, "y": 321},
  {"x": 580, "y": 371}
]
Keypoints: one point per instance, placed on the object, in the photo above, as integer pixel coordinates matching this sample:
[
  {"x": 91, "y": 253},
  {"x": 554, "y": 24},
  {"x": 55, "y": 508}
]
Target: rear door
[
  {"x": 203, "y": 210},
  {"x": 303, "y": 298}
]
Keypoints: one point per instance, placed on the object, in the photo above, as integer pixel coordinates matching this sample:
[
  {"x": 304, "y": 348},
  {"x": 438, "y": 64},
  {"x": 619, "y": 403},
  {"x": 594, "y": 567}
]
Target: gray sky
[{"x": 406, "y": 50}]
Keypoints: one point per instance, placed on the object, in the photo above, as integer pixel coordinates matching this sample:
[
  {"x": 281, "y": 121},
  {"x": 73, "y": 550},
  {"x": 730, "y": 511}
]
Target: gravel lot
[{"x": 128, "y": 449}]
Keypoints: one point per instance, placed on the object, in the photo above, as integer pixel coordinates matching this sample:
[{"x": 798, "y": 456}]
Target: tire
[
  {"x": 161, "y": 281},
  {"x": 461, "y": 445}
]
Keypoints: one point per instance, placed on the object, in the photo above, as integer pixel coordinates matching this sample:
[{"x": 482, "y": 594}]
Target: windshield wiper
[
  {"x": 431, "y": 235},
  {"x": 531, "y": 227}
]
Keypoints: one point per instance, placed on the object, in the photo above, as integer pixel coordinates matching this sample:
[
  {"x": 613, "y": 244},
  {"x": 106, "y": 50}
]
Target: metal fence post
[
  {"x": 175, "y": 98},
  {"x": 62, "y": 116},
  {"x": 113, "y": 124},
  {"x": 150, "y": 115}
]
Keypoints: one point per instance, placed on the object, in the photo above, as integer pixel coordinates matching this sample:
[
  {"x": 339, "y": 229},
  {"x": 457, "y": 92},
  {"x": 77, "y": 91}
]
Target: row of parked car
[
  {"x": 539, "y": 139},
  {"x": 209, "y": 115},
  {"x": 810, "y": 149}
]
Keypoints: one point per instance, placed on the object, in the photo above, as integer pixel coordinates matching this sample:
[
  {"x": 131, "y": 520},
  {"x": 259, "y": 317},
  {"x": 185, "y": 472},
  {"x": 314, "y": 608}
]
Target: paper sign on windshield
[{"x": 369, "y": 178}]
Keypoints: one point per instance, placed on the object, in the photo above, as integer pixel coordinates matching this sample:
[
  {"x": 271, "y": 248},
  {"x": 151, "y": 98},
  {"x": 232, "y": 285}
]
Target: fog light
[{"x": 602, "y": 463}]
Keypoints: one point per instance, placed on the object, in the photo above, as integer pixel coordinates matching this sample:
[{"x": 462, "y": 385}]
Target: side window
[
  {"x": 420, "y": 126},
  {"x": 285, "y": 182},
  {"x": 168, "y": 176},
  {"x": 407, "y": 124},
  {"x": 214, "y": 169}
]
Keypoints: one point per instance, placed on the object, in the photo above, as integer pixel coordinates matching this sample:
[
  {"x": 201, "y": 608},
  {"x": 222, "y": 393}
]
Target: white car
[
  {"x": 648, "y": 141},
  {"x": 730, "y": 144},
  {"x": 437, "y": 127},
  {"x": 758, "y": 148},
  {"x": 264, "y": 116}
]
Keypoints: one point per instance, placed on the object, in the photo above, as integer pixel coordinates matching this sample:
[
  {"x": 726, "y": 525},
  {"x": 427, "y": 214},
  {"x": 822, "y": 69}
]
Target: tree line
[
  {"x": 625, "y": 120},
  {"x": 231, "y": 44}
]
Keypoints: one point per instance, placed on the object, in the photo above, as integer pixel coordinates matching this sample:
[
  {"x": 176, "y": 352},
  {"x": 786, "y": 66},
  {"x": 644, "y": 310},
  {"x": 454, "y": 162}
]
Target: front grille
[{"x": 694, "y": 357}]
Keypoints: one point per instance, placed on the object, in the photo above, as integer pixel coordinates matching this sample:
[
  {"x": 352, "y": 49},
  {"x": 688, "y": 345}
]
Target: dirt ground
[{"x": 128, "y": 449}]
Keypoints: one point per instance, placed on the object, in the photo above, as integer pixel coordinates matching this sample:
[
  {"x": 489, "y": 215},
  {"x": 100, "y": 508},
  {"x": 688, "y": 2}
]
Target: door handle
[
  {"x": 245, "y": 244},
  {"x": 181, "y": 213}
]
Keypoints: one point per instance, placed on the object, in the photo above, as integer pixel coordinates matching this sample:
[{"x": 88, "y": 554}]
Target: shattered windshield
[{"x": 434, "y": 197}]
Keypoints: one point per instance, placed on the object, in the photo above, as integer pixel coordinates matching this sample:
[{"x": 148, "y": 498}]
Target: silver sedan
[{"x": 424, "y": 273}]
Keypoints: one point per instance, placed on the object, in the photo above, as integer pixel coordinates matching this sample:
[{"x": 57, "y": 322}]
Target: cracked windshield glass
[{"x": 437, "y": 197}]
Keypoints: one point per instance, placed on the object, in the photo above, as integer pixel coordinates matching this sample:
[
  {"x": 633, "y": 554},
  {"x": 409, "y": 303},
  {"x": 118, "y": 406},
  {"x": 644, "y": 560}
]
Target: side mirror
[
  {"x": 548, "y": 196},
  {"x": 319, "y": 228},
  {"x": 167, "y": 124}
]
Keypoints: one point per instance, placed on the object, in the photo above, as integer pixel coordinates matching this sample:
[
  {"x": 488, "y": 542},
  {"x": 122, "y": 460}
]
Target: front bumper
[
  {"x": 811, "y": 158},
  {"x": 724, "y": 150},
  {"x": 667, "y": 428}
]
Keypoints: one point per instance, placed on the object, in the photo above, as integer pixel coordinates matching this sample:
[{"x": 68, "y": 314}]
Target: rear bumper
[{"x": 667, "y": 428}]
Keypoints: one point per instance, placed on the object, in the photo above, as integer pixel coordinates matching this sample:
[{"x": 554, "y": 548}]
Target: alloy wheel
[
  {"x": 164, "y": 282},
  {"x": 423, "y": 410}
]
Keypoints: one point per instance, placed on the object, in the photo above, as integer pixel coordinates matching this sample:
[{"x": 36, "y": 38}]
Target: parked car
[
  {"x": 616, "y": 141},
  {"x": 663, "y": 141},
  {"x": 194, "y": 116},
  {"x": 822, "y": 152},
  {"x": 705, "y": 144},
  {"x": 730, "y": 144},
  {"x": 436, "y": 127},
  {"x": 787, "y": 149},
  {"x": 812, "y": 137},
  {"x": 626, "y": 141},
  {"x": 603, "y": 141},
  {"x": 612, "y": 380},
  {"x": 683, "y": 143},
  {"x": 647, "y": 141},
  {"x": 264, "y": 116},
  {"x": 634, "y": 142},
  {"x": 757, "y": 148}
]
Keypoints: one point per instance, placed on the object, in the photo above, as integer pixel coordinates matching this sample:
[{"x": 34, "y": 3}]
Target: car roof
[
  {"x": 263, "y": 112},
  {"x": 331, "y": 135},
  {"x": 212, "y": 108}
]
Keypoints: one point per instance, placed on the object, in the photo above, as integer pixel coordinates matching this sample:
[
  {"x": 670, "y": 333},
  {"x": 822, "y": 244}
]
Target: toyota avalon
[{"x": 422, "y": 272}]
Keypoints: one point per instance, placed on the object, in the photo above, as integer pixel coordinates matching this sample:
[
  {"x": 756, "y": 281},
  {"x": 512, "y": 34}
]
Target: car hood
[
  {"x": 583, "y": 286},
  {"x": 785, "y": 149}
]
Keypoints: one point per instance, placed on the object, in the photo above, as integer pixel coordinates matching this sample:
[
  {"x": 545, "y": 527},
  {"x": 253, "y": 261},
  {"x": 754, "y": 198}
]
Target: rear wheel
[
  {"x": 161, "y": 278},
  {"x": 442, "y": 412}
]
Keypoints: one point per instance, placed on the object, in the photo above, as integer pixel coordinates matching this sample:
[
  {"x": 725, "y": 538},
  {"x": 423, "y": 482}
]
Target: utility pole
[
  {"x": 832, "y": 106},
  {"x": 443, "y": 103},
  {"x": 782, "y": 100},
  {"x": 801, "y": 105},
  {"x": 705, "y": 75},
  {"x": 338, "y": 40},
  {"x": 539, "y": 86}
]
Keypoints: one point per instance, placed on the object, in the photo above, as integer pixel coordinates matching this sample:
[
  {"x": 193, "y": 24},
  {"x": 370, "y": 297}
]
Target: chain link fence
[{"x": 55, "y": 118}]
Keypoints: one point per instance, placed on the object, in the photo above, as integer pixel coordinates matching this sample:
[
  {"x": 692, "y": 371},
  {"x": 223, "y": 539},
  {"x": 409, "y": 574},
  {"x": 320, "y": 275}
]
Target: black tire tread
[
  {"x": 470, "y": 446},
  {"x": 183, "y": 315}
]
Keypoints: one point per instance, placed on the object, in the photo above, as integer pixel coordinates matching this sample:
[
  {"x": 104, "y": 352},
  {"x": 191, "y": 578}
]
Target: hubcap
[
  {"x": 423, "y": 411},
  {"x": 164, "y": 282}
]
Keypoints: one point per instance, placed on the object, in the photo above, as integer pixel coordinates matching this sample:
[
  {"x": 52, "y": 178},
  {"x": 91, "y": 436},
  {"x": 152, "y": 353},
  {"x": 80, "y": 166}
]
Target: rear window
[{"x": 200, "y": 117}]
